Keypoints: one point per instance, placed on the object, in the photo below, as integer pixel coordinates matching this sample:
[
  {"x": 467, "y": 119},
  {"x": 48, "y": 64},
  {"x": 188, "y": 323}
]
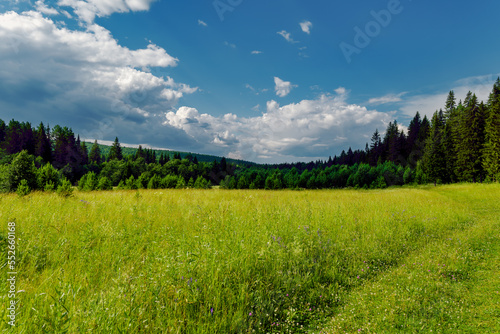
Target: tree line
[{"x": 461, "y": 143}]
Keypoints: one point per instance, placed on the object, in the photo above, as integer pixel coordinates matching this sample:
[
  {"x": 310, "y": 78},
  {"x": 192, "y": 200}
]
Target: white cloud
[
  {"x": 65, "y": 13},
  {"x": 427, "y": 104},
  {"x": 301, "y": 131},
  {"x": 87, "y": 10},
  {"x": 390, "y": 98},
  {"x": 282, "y": 88},
  {"x": 255, "y": 52},
  {"x": 231, "y": 45},
  {"x": 78, "y": 78},
  {"x": 201, "y": 23},
  {"x": 44, "y": 9},
  {"x": 286, "y": 35},
  {"x": 306, "y": 27}
]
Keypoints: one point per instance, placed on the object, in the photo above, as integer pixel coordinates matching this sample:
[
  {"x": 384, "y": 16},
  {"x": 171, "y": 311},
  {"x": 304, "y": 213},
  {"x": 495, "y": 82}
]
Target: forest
[{"x": 460, "y": 143}]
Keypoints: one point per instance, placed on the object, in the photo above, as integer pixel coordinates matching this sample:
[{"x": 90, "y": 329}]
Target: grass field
[{"x": 214, "y": 261}]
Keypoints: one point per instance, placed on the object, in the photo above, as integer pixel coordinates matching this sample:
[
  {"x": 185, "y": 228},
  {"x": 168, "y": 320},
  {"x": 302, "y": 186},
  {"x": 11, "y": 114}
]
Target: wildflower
[
  {"x": 250, "y": 314},
  {"x": 212, "y": 311}
]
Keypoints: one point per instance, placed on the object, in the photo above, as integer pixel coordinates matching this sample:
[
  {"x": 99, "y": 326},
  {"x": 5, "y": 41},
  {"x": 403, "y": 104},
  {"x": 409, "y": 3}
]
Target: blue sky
[{"x": 266, "y": 81}]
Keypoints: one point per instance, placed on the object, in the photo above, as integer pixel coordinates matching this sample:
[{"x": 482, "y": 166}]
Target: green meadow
[{"x": 410, "y": 260}]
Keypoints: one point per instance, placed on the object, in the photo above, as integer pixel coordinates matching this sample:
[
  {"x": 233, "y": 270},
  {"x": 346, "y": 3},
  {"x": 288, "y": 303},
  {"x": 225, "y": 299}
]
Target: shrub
[
  {"x": 104, "y": 184},
  {"x": 49, "y": 186},
  {"x": 23, "y": 188},
  {"x": 65, "y": 189},
  {"x": 181, "y": 184}
]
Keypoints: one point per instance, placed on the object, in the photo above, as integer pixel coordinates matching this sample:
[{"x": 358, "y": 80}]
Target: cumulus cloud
[
  {"x": 282, "y": 88},
  {"x": 201, "y": 23},
  {"x": 82, "y": 78},
  {"x": 286, "y": 35},
  {"x": 301, "y": 131},
  {"x": 255, "y": 52},
  {"x": 87, "y": 10},
  {"x": 306, "y": 27},
  {"x": 44, "y": 9}
]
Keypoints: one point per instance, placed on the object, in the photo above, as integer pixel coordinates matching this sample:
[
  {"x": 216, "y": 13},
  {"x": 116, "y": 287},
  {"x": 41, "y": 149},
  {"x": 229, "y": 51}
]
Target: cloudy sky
[{"x": 266, "y": 81}]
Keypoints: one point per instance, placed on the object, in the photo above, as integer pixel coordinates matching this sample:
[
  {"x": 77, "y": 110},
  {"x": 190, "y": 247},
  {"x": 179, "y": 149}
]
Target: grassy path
[{"x": 451, "y": 286}]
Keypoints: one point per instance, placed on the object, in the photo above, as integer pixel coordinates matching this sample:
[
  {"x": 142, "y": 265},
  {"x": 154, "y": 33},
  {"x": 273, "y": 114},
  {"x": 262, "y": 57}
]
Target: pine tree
[
  {"x": 414, "y": 147},
  {"x": 116, "y": 151},
  {"x": 84, "y": 153},
  {"x": 139, "y": 153},
  {"x": 13, "y": 137},
  {"x": 95, "y": 153},
  {"x": 468, "y": 98},
  {"x": 3, "y": 128},
  {"x": 450, "y": 137},
  {"x": 43, "y": 147},
  {"x": 450, "y": 105},
  {"x": 491, "y": 153},
  {"x": 471, "y": 141},
  {"x": 391, "y": 151},
  {"x": 434, "y": 163},
  {"x": 375, "y": 148}
]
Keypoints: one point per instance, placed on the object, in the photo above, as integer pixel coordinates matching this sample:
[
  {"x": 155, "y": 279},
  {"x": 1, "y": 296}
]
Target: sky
[{"x": 264, "y": 81}]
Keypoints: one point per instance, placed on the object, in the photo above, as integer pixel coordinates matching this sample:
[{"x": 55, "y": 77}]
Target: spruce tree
[
  {"x": 375, "y": 148},
  {"x": 491, "y": 153},
  {"x": 414, "y": 147},
  {"x": 434, "y": 163},
  {"x": 116, "y": 151},
  {"x": 470, "y": 142},
  {"x": 450, "y": 105},
  {"x": 42, "y": 143},
  {"x": 95, "y": 153},
  {"x": 2, "y": 132}
]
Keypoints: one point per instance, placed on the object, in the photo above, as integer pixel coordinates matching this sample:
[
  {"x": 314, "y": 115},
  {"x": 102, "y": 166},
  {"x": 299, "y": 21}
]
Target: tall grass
[{"x": 214, "y": 261}]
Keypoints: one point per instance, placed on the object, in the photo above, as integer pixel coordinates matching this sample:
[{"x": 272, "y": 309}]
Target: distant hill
[{"x": 201, "y": 157}]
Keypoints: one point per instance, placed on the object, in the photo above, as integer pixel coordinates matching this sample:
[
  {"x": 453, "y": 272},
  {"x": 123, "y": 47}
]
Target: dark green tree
[
  {"x": 43, "y": 147},
  {"x": 491, "y": 153},
  {"x": 434, "y": 163},
  {"x": 116, "y": 151},
  {"x": 471, "y": 141},
  {"x": 95, "y": 153},
  {"x": 23, "y": 168}
]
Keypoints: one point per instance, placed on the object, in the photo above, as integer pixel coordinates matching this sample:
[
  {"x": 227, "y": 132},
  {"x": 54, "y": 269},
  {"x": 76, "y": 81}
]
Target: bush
[
  {"x": 142, "y": 181},
  {"x": 181, "y": 184},
  {"x": 88, "y": 182},
  {"x": 23, "y": 188},
  {"x": 22, "y": 168},
  {"x": 65, "y": 189},
  {"x": 47, "y": 174},
  {"x": 4, "y": 178},
  {"x": 104, "y": 184},
  {"x": 49, "y": 186},
  {"x": 154, "y": 182},
  {"x": 130, "y": 183},
  {"x": 169, "y": 181}
]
